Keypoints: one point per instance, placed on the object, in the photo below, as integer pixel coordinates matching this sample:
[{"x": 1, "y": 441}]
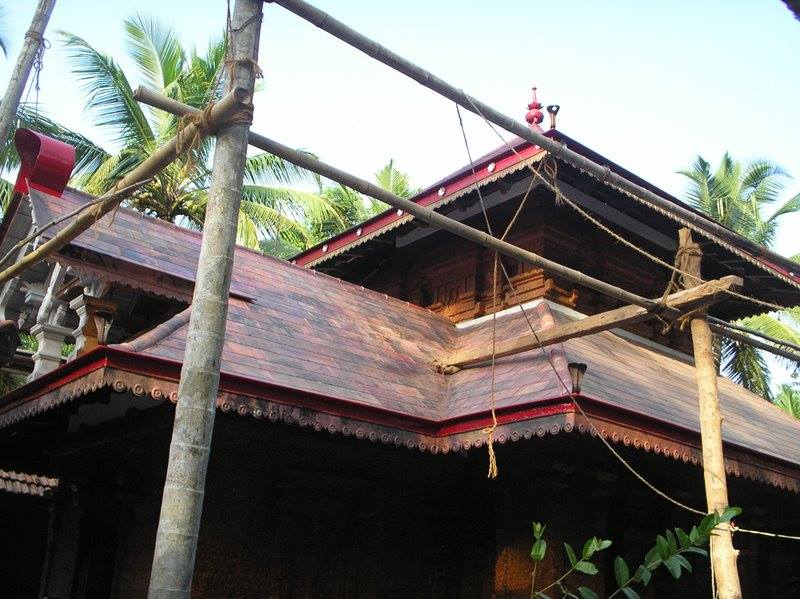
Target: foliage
[
  {"x": 788, "y": 399},
  {"x": 669, "y": 551},
  {"x": 746, "y": 198}
]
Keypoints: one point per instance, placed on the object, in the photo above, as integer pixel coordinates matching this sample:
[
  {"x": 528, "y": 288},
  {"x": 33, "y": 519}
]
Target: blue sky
[{"x": 647, "y": 84}]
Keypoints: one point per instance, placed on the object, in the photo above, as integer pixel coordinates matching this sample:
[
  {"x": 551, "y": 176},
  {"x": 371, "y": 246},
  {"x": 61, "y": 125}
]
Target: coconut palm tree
[
  {"x": 354, "y": 207},
  {"x": 179, "y": 192},
  {"x": 746, "y": 198}
]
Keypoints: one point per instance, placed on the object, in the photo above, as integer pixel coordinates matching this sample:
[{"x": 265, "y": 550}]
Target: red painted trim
[
  {"x": 453, "y": 184},
  {"x": 46, "y": 163}
]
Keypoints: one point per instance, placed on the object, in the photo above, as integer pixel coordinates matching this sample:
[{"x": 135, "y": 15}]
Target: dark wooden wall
[{"x": 292, "y": 513}]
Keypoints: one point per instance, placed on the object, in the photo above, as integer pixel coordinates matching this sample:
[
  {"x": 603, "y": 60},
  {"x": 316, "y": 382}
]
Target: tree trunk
[
  {"x": 182, "y": 501},
  {"x": 22, "y": 70},
  {"x": 723, "y": 555}
]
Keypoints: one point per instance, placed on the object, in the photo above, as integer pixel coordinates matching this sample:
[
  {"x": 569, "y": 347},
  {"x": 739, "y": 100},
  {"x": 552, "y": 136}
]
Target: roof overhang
[{"x": 123, "y": 371}]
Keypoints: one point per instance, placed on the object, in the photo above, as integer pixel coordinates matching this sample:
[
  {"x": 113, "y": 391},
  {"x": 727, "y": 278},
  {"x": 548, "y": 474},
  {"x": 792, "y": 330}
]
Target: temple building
[{"x": 347, "y": 459}]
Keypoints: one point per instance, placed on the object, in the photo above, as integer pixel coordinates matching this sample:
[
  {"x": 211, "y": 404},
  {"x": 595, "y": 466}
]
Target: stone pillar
[
  {"x": 50, "y": 338},
  {"x": 48, "y": 331}
]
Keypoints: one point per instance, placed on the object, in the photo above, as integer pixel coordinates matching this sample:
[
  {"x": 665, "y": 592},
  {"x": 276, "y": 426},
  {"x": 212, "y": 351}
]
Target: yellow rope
[{"x": 489, "y": 431}]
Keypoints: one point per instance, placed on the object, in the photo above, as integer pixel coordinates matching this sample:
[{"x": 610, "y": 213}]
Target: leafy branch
[{"x": 669, "y": 551}]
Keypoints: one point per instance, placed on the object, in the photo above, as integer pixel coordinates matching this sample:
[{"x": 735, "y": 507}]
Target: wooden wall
[{"x": 292, "y": 513}]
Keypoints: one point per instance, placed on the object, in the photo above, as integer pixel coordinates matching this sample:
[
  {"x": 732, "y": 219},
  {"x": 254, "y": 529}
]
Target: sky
[{"x": 650, "y": 85}]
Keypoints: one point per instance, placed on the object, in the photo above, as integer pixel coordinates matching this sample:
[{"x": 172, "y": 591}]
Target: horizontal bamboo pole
[
  {"x": 750, "y": 340},
  {"x": 685, "y": 301},
  {"x": 695, "y": 220},
  {"x": 424, "y": 214},
  {"x": 237, "y": 100},
  {"x": 729, "y": 325}
]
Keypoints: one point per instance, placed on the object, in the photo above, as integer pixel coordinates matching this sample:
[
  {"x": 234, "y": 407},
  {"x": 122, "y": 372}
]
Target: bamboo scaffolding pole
[
  {"x": 742, "y": 338},
  {"x": 689, "y": 218},
  {"x": 34, "y": 38},
  {"x": 190, "y": 446},
  {"x": 424, "y": 214},
  {"x": 717, "y": 323},
  {"x": 231, "y": 104},
  {"x": 723, "y": 555}
]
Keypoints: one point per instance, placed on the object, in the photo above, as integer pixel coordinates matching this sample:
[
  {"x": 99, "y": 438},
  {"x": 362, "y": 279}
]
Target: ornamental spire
[{"x": 534, "y": 116}]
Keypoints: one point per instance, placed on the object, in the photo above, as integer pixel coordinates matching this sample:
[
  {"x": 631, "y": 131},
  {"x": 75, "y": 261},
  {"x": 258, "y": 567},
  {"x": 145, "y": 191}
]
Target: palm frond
[
  {"x": 788, "y": 400},
  {"x": 746, "y": 366},
  {"x": 301, "y": 206},
  {"x": 156, "y": 50},
  {"x": 109, "y": 94},
  {"x": 265, "y": 168}
]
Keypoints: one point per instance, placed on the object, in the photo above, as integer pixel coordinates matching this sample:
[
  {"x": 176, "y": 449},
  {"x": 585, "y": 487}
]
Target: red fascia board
[{"x": 454, "y": 184}]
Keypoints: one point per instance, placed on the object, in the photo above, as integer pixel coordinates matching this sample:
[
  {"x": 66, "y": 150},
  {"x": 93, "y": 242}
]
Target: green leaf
[
  {"x": 603, "y": 544},
  {"x": 646, "y": 576},
  {"x": 674, "y": 566},
  {"x": 538, "y": 530},
  {"x": 652, "y": 557},
  {"x": 538, "y": 550},
  {"x": 586, "y": 568},
  {"x": 683, "y": 538},
  {"x": 570, "y": 554},
  {"x": 621, "y": 572},
  {"x": 589, "y": 548},
  {"x": 729, "y": 514},
  {"x": 587, "y": 593},
  {"x": 630, "y": 593},
  {"x": 694, "y": 536},
  {"x": 673, "y": 544},
  {"x": 697, "y": 550},
  {"x": 663, "y": 547},
  {"x": 684, "y": 562}
]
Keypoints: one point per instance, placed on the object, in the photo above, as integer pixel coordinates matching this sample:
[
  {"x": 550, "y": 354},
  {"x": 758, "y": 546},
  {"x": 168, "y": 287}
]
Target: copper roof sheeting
[
  {"x": 26, "y": 484},
  {"x": 310, "y": 333}
]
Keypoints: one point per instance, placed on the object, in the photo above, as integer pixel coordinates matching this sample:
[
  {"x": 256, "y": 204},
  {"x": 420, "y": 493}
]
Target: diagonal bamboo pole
[
  {"x": 689, "y": 218},
  {"x": 422, "y": 213},
  {"x": 184, "y": 487},
  {"x": 723, "y": 555},
  {"x": 221, "y": 112},
  {"x": 27, "y": 56}
]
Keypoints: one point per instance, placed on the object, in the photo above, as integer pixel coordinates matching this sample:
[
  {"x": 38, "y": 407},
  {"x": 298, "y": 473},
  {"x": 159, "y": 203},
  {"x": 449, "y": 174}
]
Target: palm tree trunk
[
  {"x": 22, "y": 70},
  {"x": 182, "y": 501}
]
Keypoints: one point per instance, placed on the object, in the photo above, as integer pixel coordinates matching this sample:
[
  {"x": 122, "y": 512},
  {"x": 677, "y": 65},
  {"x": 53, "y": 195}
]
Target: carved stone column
[
  {"x": 50, "y": 338},
  {"x": 49, "y": 332}
]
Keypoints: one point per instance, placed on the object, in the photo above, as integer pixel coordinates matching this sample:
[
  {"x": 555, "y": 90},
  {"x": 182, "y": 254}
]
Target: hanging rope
[
  {"x": 38, "y": 65},
  {"x": 489, "y": 431}
]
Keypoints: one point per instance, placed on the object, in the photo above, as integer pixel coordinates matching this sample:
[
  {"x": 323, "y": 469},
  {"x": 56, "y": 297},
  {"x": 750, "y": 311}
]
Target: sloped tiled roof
[{"x": 308, "y": 332}]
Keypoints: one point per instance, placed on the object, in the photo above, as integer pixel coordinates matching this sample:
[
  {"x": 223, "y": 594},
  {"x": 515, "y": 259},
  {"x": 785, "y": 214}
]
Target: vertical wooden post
[
  {"x": 22, "y": 70},
  {"x": 723, "y": 555},
  {"x": 182, "y": 500}
]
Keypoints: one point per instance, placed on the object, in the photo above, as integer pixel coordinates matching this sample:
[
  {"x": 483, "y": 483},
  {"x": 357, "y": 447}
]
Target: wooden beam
[{"x": 684, "y": 301}]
